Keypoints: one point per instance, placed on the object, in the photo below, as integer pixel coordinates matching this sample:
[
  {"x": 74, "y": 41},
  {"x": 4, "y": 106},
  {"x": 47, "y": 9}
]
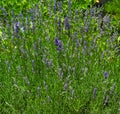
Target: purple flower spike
[
  {"x": 60, "y": 5},
  {"x": 58, "y": 43},
  {"x": 86, "y": 28},
  {"x": 94, "y": 92},
  {"x": 106, "y": 19},
  {"x": 59, "y": 48},
  {"x": 55, "y": 8},
  {"x": 17, "y": 27},
  {"x": 59, "y": 24},
  {"x": 105, "y": 75},
  {"x": 67, "y": 25},
  {"x": 91, "y": 12}
]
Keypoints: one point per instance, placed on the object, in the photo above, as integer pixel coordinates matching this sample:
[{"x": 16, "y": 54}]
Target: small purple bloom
[
  {"x": 106, "y": 19},
  {"x": 94, "y": 92},
  {"x": 33, "y": 65},
  {"x": 59, "y": 48},
  {"x": 17, "y": 27},
  {"x": 86, "y": 28},
  {"x": 99, "y": 16},
  {"x": 85, "y": 45},
  {"x": 48, "y": 62},
  {"x": 77, "y": 43},
  {"x": 59, "y": 24},
  {"x": 92, "y": 12},
  {"x": 60, "y": 5},
  {"x": 69, "y": 4},
  {"x": 55, "y": 8},
  {"x": 58, "y": 43},
  {"x": 105, "y": 75},
  {"x": 67, "y": 25},
  {"x": 86, "y": 12}
]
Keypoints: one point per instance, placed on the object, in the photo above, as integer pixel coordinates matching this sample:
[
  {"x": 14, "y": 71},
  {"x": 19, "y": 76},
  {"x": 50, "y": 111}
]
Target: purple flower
[
  {"x": 26, "y": 80},
  {"x": 105, "y": 75},
  {"x": 58, "y": 43},
  {"x": 99, "y": 16},
  {"x": 59, "y": 48},
  {"x": 86, "y": 12},
  {"x": 67, "y": 25},
  {"x": 69, "y": 4},
  {"x": 59, "y": 24},
  {"x": 87, "y": 26},
  {"x": 106, "y": 19},
  {"x": 77, "y": 43},
  {"x": 94, "y": 92},
  {"x": 55, "y": 8},
  {"x": 92, "y": 12},
  {"x": 33, "y": 65},
  {"x": 48, "y": 62},
  {"x": 17, "y": 27},
  {"x": 60, "y": 5}
]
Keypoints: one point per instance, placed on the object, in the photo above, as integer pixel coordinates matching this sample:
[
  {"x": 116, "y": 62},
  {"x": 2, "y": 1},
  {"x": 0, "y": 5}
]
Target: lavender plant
[{"x": 53, "y": 62}]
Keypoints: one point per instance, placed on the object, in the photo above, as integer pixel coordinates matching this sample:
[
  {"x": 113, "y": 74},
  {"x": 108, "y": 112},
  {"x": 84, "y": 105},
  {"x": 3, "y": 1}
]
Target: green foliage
[
  {"x": 113, "y": 7},
  {"x": 17, "y": 5},
  {"x": 81, "y": 4}
]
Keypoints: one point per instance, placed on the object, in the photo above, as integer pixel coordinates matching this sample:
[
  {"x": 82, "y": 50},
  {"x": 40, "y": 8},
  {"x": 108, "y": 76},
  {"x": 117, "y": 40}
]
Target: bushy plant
[{"x": 55, "y": 59}]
